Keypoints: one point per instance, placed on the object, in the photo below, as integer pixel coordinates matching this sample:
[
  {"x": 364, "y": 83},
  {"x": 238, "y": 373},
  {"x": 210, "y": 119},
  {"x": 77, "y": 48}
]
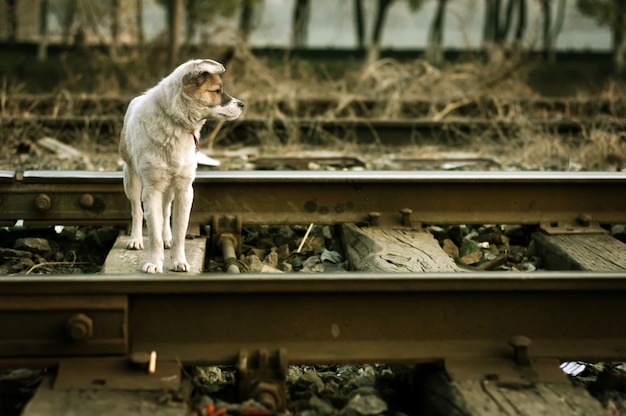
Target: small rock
[
  {"x": 255, "y": 265},
  {"x": 271, "y": 259},
  {"x": 619, "y": 231},
  {"x": 283, "y": 252},
  {"x": 7, "y": 253},
  {"x": 471, "y": 258},
  {"x": 331, "y": 256},
  {"x": 320, "y": 407},
  {"x": 312, "y": 381},
  {"x": 312, "y": 265},
  {"x": 33, "y": 244},
  {"x": 450, "y": 248},
  {"x": 368, "y": 404},
  {"x": 20, "y": 265}
]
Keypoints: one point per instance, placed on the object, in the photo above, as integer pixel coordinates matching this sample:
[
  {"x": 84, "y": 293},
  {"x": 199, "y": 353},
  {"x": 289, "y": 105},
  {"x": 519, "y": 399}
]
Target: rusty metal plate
[
  {"x": 115, "y": 374},
  {"x": 63, "y": 325}
]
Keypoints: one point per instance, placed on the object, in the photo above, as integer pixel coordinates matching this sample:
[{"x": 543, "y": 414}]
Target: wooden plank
[
  {"x": 590, "y": 252},
  {"x": 49, "y": 401},
  {"x": 445, "y": 395},
  {"x": 120, "y": 260},
  {"x": 394, "y": 250}
]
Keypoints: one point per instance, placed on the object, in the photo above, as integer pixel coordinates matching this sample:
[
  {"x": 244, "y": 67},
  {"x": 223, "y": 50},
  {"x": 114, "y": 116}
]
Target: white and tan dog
[{"x": 158, "y": 144}]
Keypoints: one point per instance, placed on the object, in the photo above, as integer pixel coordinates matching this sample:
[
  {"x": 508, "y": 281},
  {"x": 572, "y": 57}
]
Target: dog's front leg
[
  {"x": 153, "y": 206},
  {"x": 132, "y": 187},
  {"x": 181, "y": 208},
  {"x": 167, "y": 215}
]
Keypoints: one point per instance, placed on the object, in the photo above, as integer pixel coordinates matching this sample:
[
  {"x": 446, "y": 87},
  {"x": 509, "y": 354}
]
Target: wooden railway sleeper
[
  {"x": 520, "y": 370},
  {"x": 262, "y": 376}
]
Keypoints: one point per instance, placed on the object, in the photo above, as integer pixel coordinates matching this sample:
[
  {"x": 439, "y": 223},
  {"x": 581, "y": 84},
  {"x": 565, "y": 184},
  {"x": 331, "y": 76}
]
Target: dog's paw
[
  {"x": 167, "y": 244},
  {"x": 152, "y": 268},
  {"x": 134, "y": 244},
  {"x": 180, "y": 266}
]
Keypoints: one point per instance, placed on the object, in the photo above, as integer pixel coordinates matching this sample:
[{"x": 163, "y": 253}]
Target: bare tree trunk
[
  {"x": 382, "y": 7},
  {"x": 618, "y": 37},
  {"x": 546, "y": 10},
  {"x": 359, "y": 24},
  {"x": 68, "y": 20},
  {"x": 141, "y": 37},
  {"x": 435, "y": 34},
  {"x": 300, "y": 23},
  {"x": 245, "y": 19},
  {"x": 42, "y": 48},
  {"x": 551, "y": 30},
  {"x": 192, "y": 21},
  {"x": 489, "y": 22},
  {"x": 176, "y": 7},
  {"x": 12, "y": 21},
  {"x": 115, "y": 27},
  {"x": 505, "y": 27},
  {"x": 521, "y": 23}
]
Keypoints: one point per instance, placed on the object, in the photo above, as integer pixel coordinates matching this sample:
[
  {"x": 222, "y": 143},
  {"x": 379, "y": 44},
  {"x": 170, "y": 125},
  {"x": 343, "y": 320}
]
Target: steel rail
[
  {"x": 317, "y": 319},
  {"x": 358, "y": 130},
  {"x": 317, "y": 106},
  {"x": 273, "y": 197}
]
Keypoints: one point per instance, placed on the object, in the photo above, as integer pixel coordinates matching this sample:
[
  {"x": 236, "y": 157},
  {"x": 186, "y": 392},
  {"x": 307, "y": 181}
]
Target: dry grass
[{"x": 274, "y": 91}]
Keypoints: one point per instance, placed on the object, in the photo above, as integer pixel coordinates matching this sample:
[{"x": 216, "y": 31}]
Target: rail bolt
[
  {"x": 520, "y": 344},
  {"x": 406, "y": 216},
  {"x": 43, "y": 202},
  {"x": 86, "y": 200},
  {"x": 374, "y": 218},
  {"x": 267, "y": 394},
  {"x": 584, "y": 219},
  {"x": 79, "y": 327}
]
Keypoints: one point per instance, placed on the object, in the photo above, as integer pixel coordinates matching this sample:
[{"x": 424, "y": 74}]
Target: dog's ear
[
  {"x": 195, "y": 79},
  {"x": 211, "y": 66},
  {"x": 201, "y": 71}
]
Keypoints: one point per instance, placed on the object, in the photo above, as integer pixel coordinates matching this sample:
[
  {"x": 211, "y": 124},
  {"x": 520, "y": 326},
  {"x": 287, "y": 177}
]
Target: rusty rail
[
  {"x": 45, "y": 198},
  {"x": 17, "y": 105},
  {"x": 395, "y": 132},
  {"x": 259, "y": 321},
  {"x": 321, "y": 318}
]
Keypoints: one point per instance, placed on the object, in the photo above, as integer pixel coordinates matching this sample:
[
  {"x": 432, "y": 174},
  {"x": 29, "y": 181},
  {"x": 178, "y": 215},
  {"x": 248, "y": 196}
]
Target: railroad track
[
  {"x": 67, "y": 105},
  {"x": 318, "y": 121},
  {"x": 476, "y": 323}
]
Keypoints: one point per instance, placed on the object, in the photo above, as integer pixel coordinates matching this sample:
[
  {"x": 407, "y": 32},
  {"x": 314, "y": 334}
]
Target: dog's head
[{"x": 202, "y": 83}]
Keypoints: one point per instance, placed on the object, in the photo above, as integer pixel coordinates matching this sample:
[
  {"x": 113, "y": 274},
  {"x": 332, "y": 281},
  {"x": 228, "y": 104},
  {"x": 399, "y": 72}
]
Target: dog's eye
[{"x": 217, "y": 91}]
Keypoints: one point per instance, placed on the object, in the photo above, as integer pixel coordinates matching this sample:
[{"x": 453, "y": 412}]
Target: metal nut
[
  {"x": 43, "y": 202},
  {"x": 86, "y": 200},
  {"x": 584, "y": 219},
  {"x": 79, "y": 327}
]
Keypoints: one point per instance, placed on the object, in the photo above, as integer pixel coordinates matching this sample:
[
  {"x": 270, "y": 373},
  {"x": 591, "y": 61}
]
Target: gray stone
[
  {"x": 365, "y": 404},
  {"x": 7, "y": 253},
  {"x": 33, "y": 244}
]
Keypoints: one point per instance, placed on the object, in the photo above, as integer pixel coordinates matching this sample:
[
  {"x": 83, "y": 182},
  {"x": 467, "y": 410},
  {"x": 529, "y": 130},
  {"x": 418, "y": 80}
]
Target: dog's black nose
[{"x": 240, "y": 104}]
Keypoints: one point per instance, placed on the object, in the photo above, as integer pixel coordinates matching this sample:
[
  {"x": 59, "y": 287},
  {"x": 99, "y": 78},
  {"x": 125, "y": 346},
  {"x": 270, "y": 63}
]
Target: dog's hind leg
[
  {"x": 152, "y": 198},
  {"x": 132, "y": 188},
  {"x": 181, "y": 208}
]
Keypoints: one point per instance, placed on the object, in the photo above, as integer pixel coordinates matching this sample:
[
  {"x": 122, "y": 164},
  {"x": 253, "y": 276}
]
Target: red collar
[{"x": 196, "y": 141}]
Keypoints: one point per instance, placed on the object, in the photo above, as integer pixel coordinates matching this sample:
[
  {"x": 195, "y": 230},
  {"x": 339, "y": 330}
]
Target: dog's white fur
[{"x": 158, "y": 145}]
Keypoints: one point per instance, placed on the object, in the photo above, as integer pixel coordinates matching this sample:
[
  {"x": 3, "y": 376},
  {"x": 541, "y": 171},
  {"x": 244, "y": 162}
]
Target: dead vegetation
[{"x": 283, "y": 93}]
